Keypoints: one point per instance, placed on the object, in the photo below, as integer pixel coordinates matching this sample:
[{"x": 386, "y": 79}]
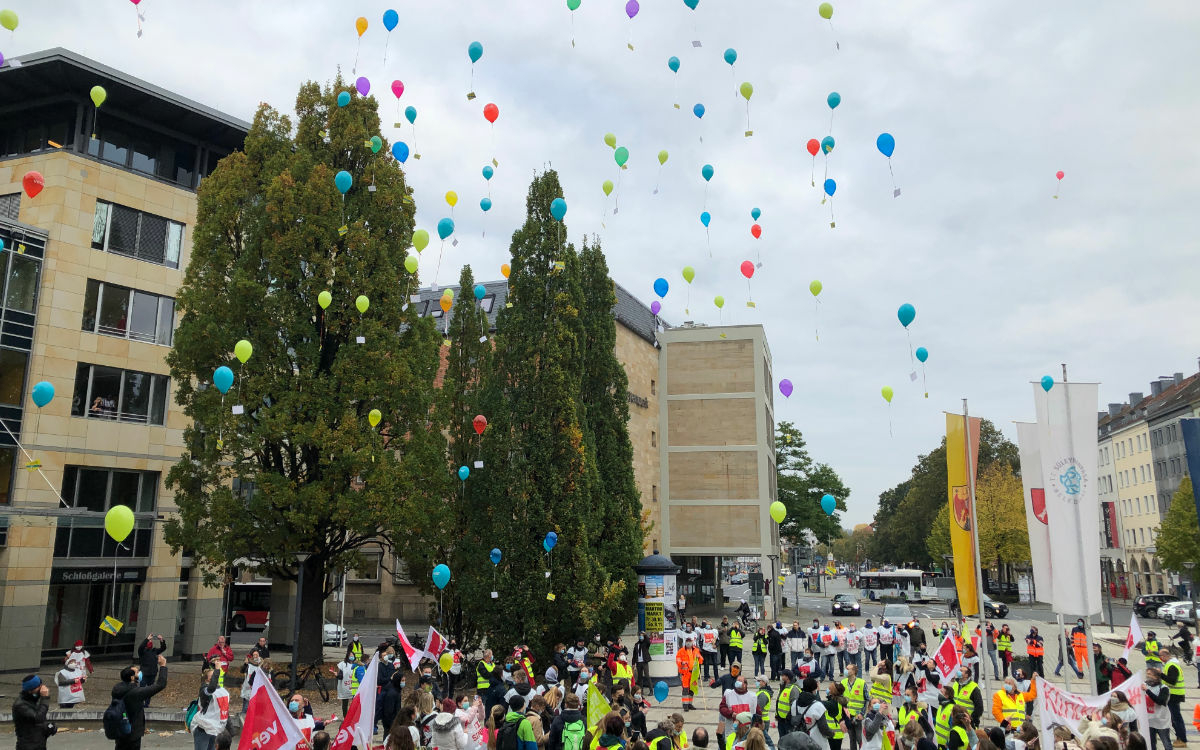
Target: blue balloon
[
  {"x": 922, "y": 353},
  {"x": 390, "y": 19},
  {"x": 445, "y": 227},
  {"x": 343, "y": 98},
  {"x": 485, "y": 204},
  {"x": 731, "y": 55},
  {"x": 475, "y": 51},
  {"x": 830, "y": 187},
  {"x": 488, "y": 171},
  {"x": 698, "y": 110},
  {"x": 441, "y": 575},
  {"x": 661, "y": 287},
  {"x": 906, "y": 314},
  {"x": 400, "y": 151},
  {"x": 558, "y": 208},
  {"x": 691, "y": 4},
  {"x": 43, "y": 392},
  {"x": 705, "y": 218},
  {"x": 706, "y": 172},
  {"x": 755, "y": 213},
  {"x": 343, "y": 180},
  {"x": 463, "y": 473},
  {"x": 673, "y": 64},
  {"x": 1047, "y": 383},
  {"x": 495, "y": 556},
  {"x": 834, "y": 99},
  {"x": 410, "y": 114},
  {"x": 223, "y": 379},
  {"x": 827, "y": 144},
  {"x": 480, "y": 292},
  {"x": 550, "y": 540},
  {"x": 661, "y": 691},
  {"x": 886, "y": 144},
  {"x": 828, "y": 504}
]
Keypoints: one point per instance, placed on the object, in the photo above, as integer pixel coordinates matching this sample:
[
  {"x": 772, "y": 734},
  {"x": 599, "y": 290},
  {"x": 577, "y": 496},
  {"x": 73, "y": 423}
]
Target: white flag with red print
[
  {"x": 435, "y": 644},
  {"x": 359, "y": 724},
  {"x": 268, "y": 725},
  {"x": 946, "y": 659},
  {"x": 411, "y": 653},
  {"x": 1135, "y": 635}
]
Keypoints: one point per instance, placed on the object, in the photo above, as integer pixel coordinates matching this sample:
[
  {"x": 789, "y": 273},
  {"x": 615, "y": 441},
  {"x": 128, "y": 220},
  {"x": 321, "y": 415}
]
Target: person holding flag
[
  {"x": 359, "y": 725},
  {"x": 688, "y": 662},
  {"x": 1134, "y": 637},
  {"x": 267, "y": 717}
]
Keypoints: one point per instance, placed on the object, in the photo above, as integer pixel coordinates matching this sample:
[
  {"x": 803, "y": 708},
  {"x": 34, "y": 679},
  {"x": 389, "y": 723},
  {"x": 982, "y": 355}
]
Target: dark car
[
  {"x": 844, "y": 604},
  {"x": 994, "y": 609},
  {"x": 1148, "y": 604}
]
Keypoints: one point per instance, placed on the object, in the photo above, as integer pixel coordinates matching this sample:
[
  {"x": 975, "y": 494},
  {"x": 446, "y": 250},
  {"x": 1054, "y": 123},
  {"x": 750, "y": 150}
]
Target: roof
[
  {"x": 58, "y": 71},
  {"x": 629, "y": 310},
  {"x": 1151, "y": 406}
]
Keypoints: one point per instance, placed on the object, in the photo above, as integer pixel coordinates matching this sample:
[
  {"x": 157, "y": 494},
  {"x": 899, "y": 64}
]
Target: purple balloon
[
  {"x": 655, "y": 306},
  {"x": 785, "y": 387},
  {"x": 363, "y": 86},
  {"x": 632, "y": 8}
]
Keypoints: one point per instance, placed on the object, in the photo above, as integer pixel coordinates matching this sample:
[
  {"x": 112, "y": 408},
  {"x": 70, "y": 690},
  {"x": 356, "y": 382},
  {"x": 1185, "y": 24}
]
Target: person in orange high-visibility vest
[
  {"x": 688, "y": 661},
  {"x": 1079, "y": 644}
]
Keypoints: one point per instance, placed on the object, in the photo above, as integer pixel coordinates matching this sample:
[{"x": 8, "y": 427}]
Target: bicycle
[{"x": 282, "y": 681}]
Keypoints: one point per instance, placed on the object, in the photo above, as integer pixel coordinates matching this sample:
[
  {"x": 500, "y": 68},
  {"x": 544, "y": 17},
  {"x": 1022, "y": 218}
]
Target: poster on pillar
[{"x": 656, "y": 614}]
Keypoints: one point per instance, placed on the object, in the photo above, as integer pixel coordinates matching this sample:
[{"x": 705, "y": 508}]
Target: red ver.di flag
[
  {"x": 946, "y": 659},
  {"x": 268, "y": 725},
  {"x": 359, "y": 724}
]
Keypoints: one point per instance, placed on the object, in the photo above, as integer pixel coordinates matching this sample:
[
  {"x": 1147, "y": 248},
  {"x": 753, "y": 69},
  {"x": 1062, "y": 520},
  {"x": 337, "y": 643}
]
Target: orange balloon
[
  {"x": 505, "y": 270},
  {"x": 446, "y": 302},
  {"x": 361, "y": 25}
]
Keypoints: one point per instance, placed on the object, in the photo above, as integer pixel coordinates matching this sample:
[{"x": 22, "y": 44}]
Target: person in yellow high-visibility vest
[{"x": 1008, "y": 705}]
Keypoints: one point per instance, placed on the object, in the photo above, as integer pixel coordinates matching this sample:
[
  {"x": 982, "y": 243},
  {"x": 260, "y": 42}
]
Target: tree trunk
[{"x": 312, "y": 611}]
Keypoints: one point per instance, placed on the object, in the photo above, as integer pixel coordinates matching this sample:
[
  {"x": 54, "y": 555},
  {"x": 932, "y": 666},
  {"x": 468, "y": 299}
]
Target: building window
[
  {"x": 653, "y": 388},
  {"x": 486, "y": 303},
  {"x": 13, "y": 366},
  {"x": 121, "y": 395},
  {"x": 119, "y": 311},
  {"x": 367, "y": 572},
  {"x": 21, "y": 283},
  {"x": 143, "y": 150},
  {"x": 8, "y": 464},
  {"x": 96, "y": 490},
  {"x": 10, "y": 206},
  {"x": 654, "y": 492},
  {"x": 400, "y": 572},
  {"x": 653, "y": 439},
  {"x": 137, "y": 234}
]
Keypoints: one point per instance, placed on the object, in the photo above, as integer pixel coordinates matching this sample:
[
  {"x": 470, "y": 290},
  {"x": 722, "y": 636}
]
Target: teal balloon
[
  {"x": 829, "y": 504},
  {"x": 344, "y": 181},
  {"x": 886, "y": 144},
  {"x": 445, "y": 227},
  {"x": 827, "y": 144},
  {"x": 43, "y": 393},
  {"x": 830, "y": 187},
  {"x": 906, "y": 314},
  {"x": 475, "y": 51},
  {"x": 755, "y": 213},
  {"x": 480, "y": 292},
  {"x": 390, "y": 19},
  {"x": 488, "y": 172},
  {"x": 731, "y": 55},
  {"x": 463, "y": 473},
  {"x": 661, "y": 690},
  {"x": 558, "y": 208},
  {"x": 400, "y": 151},
  {"x": 441, "y": 575},
  {"x": 706, "y": 172},
  {"x": 705, "y": 218},
  {"x": 673, "y": 64},
  {"x": 691, "y": 4},
  {"x": 833, "y": 99},
  {"x": 922, "y": 353},
  {"x": 223, "y": 379},
  {"x": 698, "y": 110},
  {"x": 410, "y": 114},
  {"x": 343, "y": 98},
  {"x": 485, "y": 204},
  {"x": 661, "y": 287},
  {"x": 1047, "y": 383}
]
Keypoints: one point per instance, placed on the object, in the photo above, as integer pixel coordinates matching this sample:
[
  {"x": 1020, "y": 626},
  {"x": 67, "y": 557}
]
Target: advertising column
[{"x": 657, "y": 616}]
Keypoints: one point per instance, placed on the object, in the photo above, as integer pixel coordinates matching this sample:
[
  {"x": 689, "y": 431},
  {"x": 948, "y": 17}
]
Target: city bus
[
  {"x": 909, "y": 584},
  {"x": 249, "y": 605}
]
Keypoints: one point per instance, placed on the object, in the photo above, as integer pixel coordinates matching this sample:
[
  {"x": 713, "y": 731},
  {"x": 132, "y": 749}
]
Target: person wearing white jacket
[
  {"x": 448, "y": 733},
  {"x": 70, "y": 681},
  {"x": 797, "y": 641}
]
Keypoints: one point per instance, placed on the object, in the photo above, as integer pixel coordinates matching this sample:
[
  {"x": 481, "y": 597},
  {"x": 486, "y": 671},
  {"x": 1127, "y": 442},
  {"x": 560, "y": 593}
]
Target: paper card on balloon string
[
  {"x": 655, "y": 191},
  {"x": 756, "y": 265},
  {"x": 446, "y": 342},
  {"x": 750, "y": 303},
  {"x": 220, "y": 443},
  {"x": 416, "y": 156},
  {"x": 470, "y": 95},
  {"x": 508, "y": 304},
  {"x": 360, "y": 339},
  {"x": 913, "y": 376},
  {"x": 676, "y": 106},
  {"x": 326, "y": 140},
  {"x": 483, "y": 339},
  {"x": 550, "y": 597},
  {"x": 479, "y": 464},
  {"x": 495, "y": 163},
  {"x": 696, "y": 43},
  {"x": 342, "y": 230},
  {"x": 454, "y": 243},
  {"x": 547, "y": 574},
  {"x": 34, "y": 465},
  {"x": 749, "y": 133},
  {"x": 495, "y": 595},
  {"x": 404, "y": 307},
  {"x": 238, "y": 409},
  {"x": 397, "y": 125},
  {"x": 615, "y": 209},
  {"x": 630, "y": 46},
  {"x": 20, "y": 248},
  {"x": 722, "y": 335},
  {"x": 323, "y": 133},
  {"x": 370, "y": 188},
  {"x": 832, "y": 225},
  {"x": 414, "y": 298},
  {"x": 896, "y": 193},
  {"x": 367, "y": 144}
]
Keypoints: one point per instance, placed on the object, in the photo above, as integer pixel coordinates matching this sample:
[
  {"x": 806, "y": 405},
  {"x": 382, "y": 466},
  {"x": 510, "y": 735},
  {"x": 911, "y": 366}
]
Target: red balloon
[
  {"x": 1059, "y": 174},
  {"x": 33, "y": 182},
  {"x": 747, "y": 268},
  {"x": 491, "y": 112},
  {"x": 756, "y": 230},
  {"x": 813, "y": 146},
  {"x": 480, "y": 423}
]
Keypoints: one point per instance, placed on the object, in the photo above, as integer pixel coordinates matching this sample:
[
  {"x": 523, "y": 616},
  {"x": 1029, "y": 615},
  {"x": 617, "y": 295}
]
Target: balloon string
[
  {"x": 747, "y": 114},
  {"x": 890, "y": 172},
  {"x": 438, "y": 269},
  {"x": 385, "y": 47},
  {"x": 832, "y": 31},
  {"x": 831, "y": 112},
  {"x": 31, "y": 461},
  {"x": 572, "y": 34},
  {"x": 890, "y": 433},
  {"x": 817, "y": 318},
  {"x": 924, "y": 384},
  {"x": 354, "y": 70},
  {"x": 749, "y": 293},
  {"x": 617, "y": 199},
  {"x": 910, "y": 347},
  {"x": 708, "y": 239},
  {"x": 831, "y": 219},
  {"x": 812, "y": 173}
]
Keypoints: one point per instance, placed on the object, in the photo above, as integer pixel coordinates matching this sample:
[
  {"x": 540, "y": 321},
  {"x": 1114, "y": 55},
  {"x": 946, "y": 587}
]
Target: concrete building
[
  {"x": 91, "y": 267},
  {"x": 1179, "y": 399},
  {"x": 718, "y": 455}
]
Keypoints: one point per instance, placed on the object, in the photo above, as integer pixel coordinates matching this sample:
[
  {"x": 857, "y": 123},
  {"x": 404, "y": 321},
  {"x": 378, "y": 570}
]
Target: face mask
[
  {"x": 737, "y": 685},
  {"x": 874, "y": 706},
  {"x": 403, "y": 684},
  {"x": 256, "y": 661},
  {"x": 908, "y": 699},
  {"x": 466, "y": 705},
  {"x": 1011, "y": 689},
  {"x": 627, "y": 725},
  {"x": 350, "y": 659},
  {"x": 1080, "y": 623},
  {"x": 816, "y": 624},
  {"x": 508, "y": 667},
  {"x": 807, "y": 655},
  {"x": 356, "y": 639},
  {"x": 294, "y": 707},
  {"x": 79, "y": 648},
  {"x": 1114, "y": 700}
]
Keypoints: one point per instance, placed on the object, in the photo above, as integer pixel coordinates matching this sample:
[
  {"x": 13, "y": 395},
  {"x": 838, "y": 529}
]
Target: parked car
[
  {"x": 1176, "y": 611},
  {"x": 845, "y": 604},
  {"x": 737, "y": 578},
  {"x": 1148, "y": 604},
  {"x": 335, "y": 635},
  {"x": 994, "y": 609},
  {"x": 898, "y": 614}
]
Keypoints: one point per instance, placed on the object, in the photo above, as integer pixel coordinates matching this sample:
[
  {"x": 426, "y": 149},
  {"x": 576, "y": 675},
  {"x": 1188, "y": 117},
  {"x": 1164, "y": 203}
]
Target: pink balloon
[
  {"x": 363, "y": 86},
  {"x": 1059, "y": 174},
  {"x": 632, "y": 8},
  {"x": 135, "y": 2},
  {"x": 747, "y": 268},
  {"x": 397, "y": 88}
]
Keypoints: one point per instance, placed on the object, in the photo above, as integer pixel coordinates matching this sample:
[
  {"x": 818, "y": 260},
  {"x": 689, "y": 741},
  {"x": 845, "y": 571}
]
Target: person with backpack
[
  {"x": 125, "y": 718},
  {"x": 212, "y": 712},
  {"x": 516, "y": 733},
  {"x": 568, "y": 731},
  {"x": 29, "y": 714}
]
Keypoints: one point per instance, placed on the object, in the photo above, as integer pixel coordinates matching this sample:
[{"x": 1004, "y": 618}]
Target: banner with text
[
  {"x": 960, "y": 471},
  {"x": 1057, "y": 706},
  {"x": 1035, "y": 508}
]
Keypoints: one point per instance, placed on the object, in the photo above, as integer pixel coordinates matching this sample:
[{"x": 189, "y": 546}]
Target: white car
[
  {"x": 334, "y": 635},
  {"x": 1180, "y": 611}
]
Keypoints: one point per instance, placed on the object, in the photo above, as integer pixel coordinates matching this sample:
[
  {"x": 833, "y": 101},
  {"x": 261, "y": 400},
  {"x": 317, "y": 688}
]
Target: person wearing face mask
[
  {"x": 488, "y": 682},
  {"x": 736, "y": 636},
  {"x": 881, "y": 682},
  {"x": 581, "y": 686},
  {"x": 213, "y": 711},
  {"x": 775, "y": 649},
  {"x": 1035, "y": 649},
  {"x": 641, "y": 661},
  {"x": 1004, "y": 643},
  {"x": 876, "y": 724},
  {"x": 968, "y": 696},
  {"x": 796, "y": 642},
  {"x": 708, "y": 649},
  {"x": 1079, "y": 644},
  {"x": 942, "y": 721},
  {"x": 870, "y": 645},
  {"x": 854, "y": 688},
  {"x": 70, "y": 681},
  {"x": 348, "y": 672},
  {"x": 723, "y": 640},
  {"x": 783, "y": 703},
  {"x": 828, "y": 642},
  {"x": 887, "y": 637},
  {"x": 759, "y": 651},
  {"x": 387, "y": 705},
  {"x": 1009, "y": 704},
  {"x": 854, "y": 647},
  {"x": 912, "y": 710},
  {"x": 129, "y": 693},
  {"x": 814, "y": 636},
  {"x": 1157, "y": 709},
  {"x": 30, "y": 724},
  {"x": 809, "y": 666},
  {"x": 301, "y": 710},
  {"x": 356, "y": 648},
  {"x": 735, "y": 701},
  {"x": 577, "y": 657},
  {"x": 148, "y": 659},
  {"x": 254, "y": 658},
  {"x": 80, "y": 655},
  {"x": 1172, "y": 677}
]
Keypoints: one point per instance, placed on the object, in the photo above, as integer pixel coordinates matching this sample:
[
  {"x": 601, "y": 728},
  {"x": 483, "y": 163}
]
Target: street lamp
[{"x": 301, "y": 557}]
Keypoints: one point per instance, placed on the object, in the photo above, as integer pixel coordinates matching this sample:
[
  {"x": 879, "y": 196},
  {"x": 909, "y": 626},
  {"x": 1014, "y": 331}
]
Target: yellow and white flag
[
  {"x": 962, "y": 456},
  {"x": 597, "y": 706}
]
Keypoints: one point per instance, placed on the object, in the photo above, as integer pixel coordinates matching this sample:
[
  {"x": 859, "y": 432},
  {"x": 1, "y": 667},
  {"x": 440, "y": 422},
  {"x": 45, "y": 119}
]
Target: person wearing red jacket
[{"x": 220, "y": 656}]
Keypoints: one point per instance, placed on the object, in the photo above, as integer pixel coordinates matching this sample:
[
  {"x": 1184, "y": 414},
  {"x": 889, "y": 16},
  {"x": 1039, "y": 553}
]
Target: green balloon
[
  {"x": 376, "y": 144},
  {"x": 323, "y": 299},
  {"x": 362, "y": 303},
  {"x": 719, "y": 301},
  {"x": 607, "y": 187},
  {"x": 610, "y": 140},
  {"x": 826, "y": 11},
  {"x": 410, "y": 264},
  {"x": 689, "y": 273},
  {"x": 573, "y": 4},
  {"x": 621, "y": 155},
  {"x": 747, "y": 90},
  {"x": 662, "y": 157},
  {"x": 8, "y": 19},
  {"x": 420, "y": 239}
]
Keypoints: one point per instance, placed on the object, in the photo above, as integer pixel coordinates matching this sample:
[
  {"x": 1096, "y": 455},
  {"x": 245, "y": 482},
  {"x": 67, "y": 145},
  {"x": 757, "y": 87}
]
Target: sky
[{"x": 986, "y": 101}]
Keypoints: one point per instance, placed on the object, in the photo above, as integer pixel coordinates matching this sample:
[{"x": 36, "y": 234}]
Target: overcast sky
[{"x": 986, "y": 102}]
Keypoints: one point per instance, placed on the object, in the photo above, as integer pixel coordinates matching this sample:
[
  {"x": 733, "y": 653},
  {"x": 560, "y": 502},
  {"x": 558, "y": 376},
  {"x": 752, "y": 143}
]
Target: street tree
[{"x": 801, "y": 483}]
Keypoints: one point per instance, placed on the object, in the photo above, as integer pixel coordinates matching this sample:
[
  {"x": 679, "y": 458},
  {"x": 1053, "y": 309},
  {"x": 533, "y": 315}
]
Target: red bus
[{"x": 249, "y": 605}]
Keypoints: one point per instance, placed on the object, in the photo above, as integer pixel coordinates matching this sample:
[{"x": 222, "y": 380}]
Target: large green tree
[
  {"x": 1179, "y": 536},
  {"x": 313, "y": 476},
  {"x": 1000, "y": 510},
  {"x": 801, "y": 483}
]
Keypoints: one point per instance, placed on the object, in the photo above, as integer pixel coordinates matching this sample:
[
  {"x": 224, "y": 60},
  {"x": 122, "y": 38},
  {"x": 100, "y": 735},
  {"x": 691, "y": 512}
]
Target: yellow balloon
[
  {"x": 689, "y": 273},
  {"x": 505, "y": 270},
  {"x": 778, "y": 511},
  {"x": 362, "y": 303},
  {"x": 887, "y": 393},
  {"x": 98, "y": 95},
  {"x": 8, "y": 19},
  {"x": 719, "y": 301},
  {"x": 607, "y": 187},
  {"x": 118, "y": 522},
  {"x": 445, "y": 661},
  {"x": 815, "y": 287},
  {"x": 323, "y": 299},
  {"x": 242, "y": 350},
  {"x": 446, "y": 302},
  {"x": 361, "y": 25},
  {"x": 452, "y": 198},
  {"x": 374, "y": 416}
]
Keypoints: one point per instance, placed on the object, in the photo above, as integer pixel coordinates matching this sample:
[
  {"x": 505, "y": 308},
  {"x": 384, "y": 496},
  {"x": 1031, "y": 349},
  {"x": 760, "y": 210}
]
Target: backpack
[
  {"x": 116, "y": 723},
  {"x": 190, "y": 714},
  {"x": 573, "y": 735},
  {"x": 507, "y": 738}
]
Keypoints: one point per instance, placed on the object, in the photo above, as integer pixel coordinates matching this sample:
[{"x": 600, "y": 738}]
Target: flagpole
[
  {"x": 1087, "y": 630},
  {"x": 1063, "y": 655},
  {"x": 983, "y": 636}
]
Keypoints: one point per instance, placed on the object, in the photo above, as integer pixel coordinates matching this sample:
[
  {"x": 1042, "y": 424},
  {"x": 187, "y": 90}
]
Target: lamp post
[{"x": 301, "y": 557}]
